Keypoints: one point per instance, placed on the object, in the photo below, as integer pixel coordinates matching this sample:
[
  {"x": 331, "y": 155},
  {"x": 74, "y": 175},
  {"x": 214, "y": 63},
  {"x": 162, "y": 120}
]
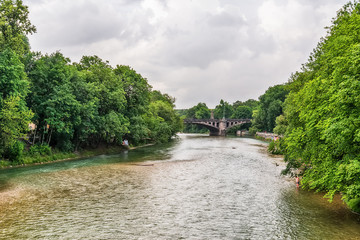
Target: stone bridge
[{"x": 218, "y": 127}]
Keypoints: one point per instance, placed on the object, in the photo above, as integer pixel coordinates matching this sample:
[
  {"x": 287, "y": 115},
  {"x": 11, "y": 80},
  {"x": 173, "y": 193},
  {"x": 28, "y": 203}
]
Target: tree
[
  {"x": 248, "y": 103},
  {"x": 107, "y": 90},
  {"x": 242, "y": 112},
  {"x": 87, "y": 115},
  {"x": 13, "y": 80},
  {"x": 52, "y": 100},
  {"x": 270, "y": 106},
  {"x": 281, "y": 125},
  {"x": 224, "y": 109},
  {"x": 14, "y": 26},
  {"x": 14, "y": 122},
  {"x": 199, "y": 111},
  {"x": 158, "y": 96},
  {"x": 137, "y": 94},
  {"x": 14, "y": 115},
  {"x": 322, "y": 112},
  {"x": 162, "y": 121}
]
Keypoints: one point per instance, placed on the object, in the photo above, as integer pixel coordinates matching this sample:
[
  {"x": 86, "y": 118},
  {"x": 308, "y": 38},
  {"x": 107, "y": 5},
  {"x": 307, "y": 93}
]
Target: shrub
[
  {"x": 15, "y": 152},
  {"x": 276, "y": 147},
  {"x": 39, "y": 149}
]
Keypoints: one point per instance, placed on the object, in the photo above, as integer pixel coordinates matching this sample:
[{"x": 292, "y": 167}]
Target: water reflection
[{"x": 197, "y": 187}]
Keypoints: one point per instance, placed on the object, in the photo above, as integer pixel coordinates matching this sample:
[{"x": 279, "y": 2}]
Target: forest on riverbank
[
  {"x": 318, "y": 112},
  {"x": 70, "y": 106},
  {"x": 321, "y": 119}
]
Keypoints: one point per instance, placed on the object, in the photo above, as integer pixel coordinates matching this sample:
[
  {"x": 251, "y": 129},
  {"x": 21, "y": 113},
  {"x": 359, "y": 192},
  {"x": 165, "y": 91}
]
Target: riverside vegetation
[
  {"x": 321, "y": 120},
  {"x": 90, "y": 103},
  {"x": 75, "y": 106},
  {"x": 318, "y": 112}
]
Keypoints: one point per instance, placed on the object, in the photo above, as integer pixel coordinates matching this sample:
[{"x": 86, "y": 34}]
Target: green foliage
[
  {"x": 14, "y": 115},
  {"x": 39, "y": 149},
  {"x": 270, "y": 107},
  {"x": 200, "y": 111},
  {"x": 253, "y": 104},
  {"x": 158, "y": 96},
  {"x": 255, "y": 123},
  {"x": 281, "y": 125},
  {"x": 89, "y": 102},
  {"x": 14, "y": 26},
  {"x": 242, "y": 112},
  {"x": 224, "y": 109},
  {"x": 13, "y": 122},
  {"x": 139, "y": 131},
  {"x": 162, "y": 132},
  {"x": 13, "y": 81},
  {"x": 137, "y": 91},
  {"x": 15, "y": 152},
  {"x": 163, "y": 121},
  {"x": 52, "y": 100},
  {"x": 322, "y": 112},
  {"x": 276, "y": 147},
  {"x": 4, "y": 164},
  {"x": 75, "y": 105}
]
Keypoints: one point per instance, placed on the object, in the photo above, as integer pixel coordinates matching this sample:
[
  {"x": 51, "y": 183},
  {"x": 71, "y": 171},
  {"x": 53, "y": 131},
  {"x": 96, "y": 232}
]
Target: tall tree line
[
  {"x": 321, "y": 119},
  {"x": 73, "y": 105}
]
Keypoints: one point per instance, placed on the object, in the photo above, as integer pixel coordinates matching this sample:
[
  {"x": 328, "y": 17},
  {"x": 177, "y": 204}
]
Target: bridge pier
[{"x": 221, "y": 129}]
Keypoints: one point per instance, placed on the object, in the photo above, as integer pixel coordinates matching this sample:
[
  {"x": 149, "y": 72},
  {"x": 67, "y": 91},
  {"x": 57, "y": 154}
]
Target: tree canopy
[
  {"x": 322, "y": 112},
  {"x": 269, "y": 108},
  {"x": 14, "y": 26},
  {"x": 73, "y": 105}
]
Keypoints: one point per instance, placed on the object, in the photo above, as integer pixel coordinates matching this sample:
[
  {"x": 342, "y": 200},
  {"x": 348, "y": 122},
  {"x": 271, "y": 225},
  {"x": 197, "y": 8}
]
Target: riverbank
[{"x": 62, "y": 156}]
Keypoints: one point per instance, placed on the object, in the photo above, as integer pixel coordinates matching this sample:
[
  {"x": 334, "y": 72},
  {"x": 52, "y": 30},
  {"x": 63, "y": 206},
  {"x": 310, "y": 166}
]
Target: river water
[{"x": 196, "y": 187}]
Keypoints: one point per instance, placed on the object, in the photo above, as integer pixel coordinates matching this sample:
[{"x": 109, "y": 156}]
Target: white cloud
[{"x": 195, "y": 50}]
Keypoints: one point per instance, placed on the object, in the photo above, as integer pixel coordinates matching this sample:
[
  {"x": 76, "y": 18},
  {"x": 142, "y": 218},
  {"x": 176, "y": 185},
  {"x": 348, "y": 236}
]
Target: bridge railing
[
  {"x": 216, "y": 120},
  {"x": 189, "y": 120},
  {"x": 238, "y": 119}
]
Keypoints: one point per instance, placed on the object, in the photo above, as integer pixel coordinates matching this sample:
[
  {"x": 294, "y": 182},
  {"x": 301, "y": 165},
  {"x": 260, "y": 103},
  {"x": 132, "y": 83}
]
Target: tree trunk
[
  {"x": 49, "y": 139},
  {"x": 34, "y": 137}
]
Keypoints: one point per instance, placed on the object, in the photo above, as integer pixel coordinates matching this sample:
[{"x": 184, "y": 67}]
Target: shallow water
[{"x": 197, "y": 187}]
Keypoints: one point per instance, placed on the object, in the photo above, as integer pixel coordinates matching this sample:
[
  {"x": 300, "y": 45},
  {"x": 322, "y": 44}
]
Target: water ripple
[{"x": 201, "y": 188}]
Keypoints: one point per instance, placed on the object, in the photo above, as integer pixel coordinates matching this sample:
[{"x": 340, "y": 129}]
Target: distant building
[{"x": 32, "y": 126}]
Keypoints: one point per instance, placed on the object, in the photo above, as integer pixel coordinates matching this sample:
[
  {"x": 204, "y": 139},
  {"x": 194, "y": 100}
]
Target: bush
[
  {"x": 39, "y": 149},
  {"x": 15, "y": 152},
  {"x": 66, "y": 146},
  {"x": 45, "y": 150},
  {"x": 163, "y": 133},
  {"x": 276, "y": 147},
  {"x": 4, "y": 163}
]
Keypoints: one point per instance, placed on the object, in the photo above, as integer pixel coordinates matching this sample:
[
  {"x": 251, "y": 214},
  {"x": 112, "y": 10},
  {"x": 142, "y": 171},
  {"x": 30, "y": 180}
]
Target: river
[{"x": 195, "y": 187}]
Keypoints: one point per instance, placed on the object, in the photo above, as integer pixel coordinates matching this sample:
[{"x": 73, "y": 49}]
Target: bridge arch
[
  {"x": 230, "y": 123},
  {"x": 211, "y": 124},
  {"x": 217, "y": 127}
]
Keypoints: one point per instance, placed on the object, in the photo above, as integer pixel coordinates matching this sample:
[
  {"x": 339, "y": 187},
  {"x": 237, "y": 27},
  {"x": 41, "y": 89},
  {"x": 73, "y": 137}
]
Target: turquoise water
[{"x": 196, "y": 187}]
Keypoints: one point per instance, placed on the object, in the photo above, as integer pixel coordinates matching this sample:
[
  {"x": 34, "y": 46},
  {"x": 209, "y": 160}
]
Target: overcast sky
[{"x": 194, "y": 50}]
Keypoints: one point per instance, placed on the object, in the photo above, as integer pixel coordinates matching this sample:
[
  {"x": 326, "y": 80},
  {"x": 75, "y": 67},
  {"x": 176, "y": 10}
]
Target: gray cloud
[
  {"x": 86, "y": 22},
  {"x": 197, "y": 51},
  {"x": 225, "y": 19}
]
